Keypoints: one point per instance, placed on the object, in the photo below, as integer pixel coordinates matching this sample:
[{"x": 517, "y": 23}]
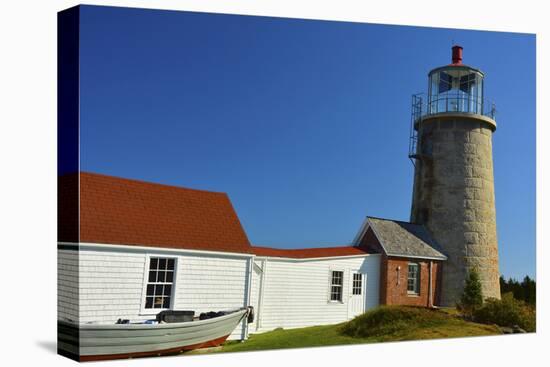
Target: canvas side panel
[
  {"x": 68, "y": 30},
  {"x": 68, "y": 90},
  {"x": 67, "y": 285}
]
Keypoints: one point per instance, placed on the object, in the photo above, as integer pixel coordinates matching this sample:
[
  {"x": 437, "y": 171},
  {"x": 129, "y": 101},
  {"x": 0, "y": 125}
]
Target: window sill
[{"x": 410, "y": 294}]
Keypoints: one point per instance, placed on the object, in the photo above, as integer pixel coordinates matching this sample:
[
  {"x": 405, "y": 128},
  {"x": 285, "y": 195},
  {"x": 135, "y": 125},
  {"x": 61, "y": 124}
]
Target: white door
[{"x": 356, "y": 304}]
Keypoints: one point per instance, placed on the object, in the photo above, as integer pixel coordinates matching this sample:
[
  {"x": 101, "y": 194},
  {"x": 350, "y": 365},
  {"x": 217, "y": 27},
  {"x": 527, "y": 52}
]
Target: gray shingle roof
[{"x": 405, "y": 239}]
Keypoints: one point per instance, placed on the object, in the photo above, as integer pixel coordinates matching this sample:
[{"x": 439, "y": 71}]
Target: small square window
[
  {"x": 161, "y": 276},
  {"x": 162, "y": 264},
  {"x": 158, "y": 303},
  {"x": 159, "y": 289},
  {"x": 170, "y": 265}
]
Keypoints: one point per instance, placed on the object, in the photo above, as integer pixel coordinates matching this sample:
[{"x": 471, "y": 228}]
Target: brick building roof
[
  {"x": 405, "y": 239},
  {"x": 129, "y": 212},
  {"x": 304, "y": 253}
]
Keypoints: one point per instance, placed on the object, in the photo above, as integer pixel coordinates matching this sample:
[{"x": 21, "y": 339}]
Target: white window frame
[
  {"x": 153, "y": 311},
  {"x": 330, "y": 285},
  {"x": 417, "y": 283}
]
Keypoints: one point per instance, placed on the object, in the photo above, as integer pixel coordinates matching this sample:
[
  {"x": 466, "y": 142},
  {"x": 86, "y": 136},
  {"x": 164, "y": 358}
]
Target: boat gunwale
[{"x": 171, "y": 325}]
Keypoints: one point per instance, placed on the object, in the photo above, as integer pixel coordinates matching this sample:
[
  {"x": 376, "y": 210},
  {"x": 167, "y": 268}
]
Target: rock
[
  {"x": 506, "y": 330},
  {"x": 518, "y": 330}
]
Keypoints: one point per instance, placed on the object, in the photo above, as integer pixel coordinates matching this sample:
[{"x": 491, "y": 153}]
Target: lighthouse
[{"x": 453, "y": 191}]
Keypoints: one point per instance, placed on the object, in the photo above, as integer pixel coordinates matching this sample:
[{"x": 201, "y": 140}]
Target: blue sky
[{"x": 305, "y": 124}]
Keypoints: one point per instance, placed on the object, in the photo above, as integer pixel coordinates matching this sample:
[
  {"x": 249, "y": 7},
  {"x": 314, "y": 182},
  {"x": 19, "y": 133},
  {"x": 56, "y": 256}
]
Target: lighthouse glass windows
[
  {"x": 455, "y": 89},
  {"x": 413, "y": 278},
  {"x": 336, "y": 285},
  {"x": 160, "y": 281}
]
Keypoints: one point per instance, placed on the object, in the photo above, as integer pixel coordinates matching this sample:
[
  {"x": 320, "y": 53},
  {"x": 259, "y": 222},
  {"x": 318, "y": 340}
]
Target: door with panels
[{"x": 357, "y": 298}]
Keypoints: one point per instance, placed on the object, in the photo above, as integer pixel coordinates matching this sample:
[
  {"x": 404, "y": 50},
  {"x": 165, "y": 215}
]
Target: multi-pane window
[
  {"x": 357, "y": 285},
  {"x": 159, "y": 283},
  {"x": 413, "y": 278},
  {"x": 336, "y": 285}
]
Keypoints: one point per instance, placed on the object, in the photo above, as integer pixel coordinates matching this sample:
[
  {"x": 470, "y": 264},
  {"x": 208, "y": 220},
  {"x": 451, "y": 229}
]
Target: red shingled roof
[
  {"x": 128, "y": 212},
  {"x": 304, "y": 253}
]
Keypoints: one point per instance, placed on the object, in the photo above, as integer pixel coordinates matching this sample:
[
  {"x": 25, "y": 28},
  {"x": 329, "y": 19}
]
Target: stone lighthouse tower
[{"x": 453, "y": 193}]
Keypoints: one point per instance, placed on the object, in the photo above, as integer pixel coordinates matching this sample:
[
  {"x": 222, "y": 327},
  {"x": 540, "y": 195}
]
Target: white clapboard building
[{"x": 129, "y": 249}]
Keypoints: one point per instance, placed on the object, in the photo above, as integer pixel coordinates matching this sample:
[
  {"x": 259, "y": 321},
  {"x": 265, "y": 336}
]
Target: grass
[{"x": 393, "y": 323}]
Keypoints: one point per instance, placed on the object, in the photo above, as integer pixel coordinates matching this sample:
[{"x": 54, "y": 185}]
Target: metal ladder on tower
[{"x": 416, "y": 115}]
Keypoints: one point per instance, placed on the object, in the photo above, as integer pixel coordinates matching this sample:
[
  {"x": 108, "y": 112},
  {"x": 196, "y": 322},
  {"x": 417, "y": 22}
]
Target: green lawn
[{"x": 380, "y": 325}]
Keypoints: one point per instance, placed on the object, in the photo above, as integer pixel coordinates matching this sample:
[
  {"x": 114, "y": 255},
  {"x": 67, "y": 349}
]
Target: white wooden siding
[
  {"x": 296, "y": 293},
  {"x": 207, "y": 284},
  {"x": 67, "y": 285},
  {"x": 111, "y": 284}
]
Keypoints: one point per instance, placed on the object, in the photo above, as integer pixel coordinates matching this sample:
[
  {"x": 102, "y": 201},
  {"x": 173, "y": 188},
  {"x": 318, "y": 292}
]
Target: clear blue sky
[{"x": 305, "y": 124}]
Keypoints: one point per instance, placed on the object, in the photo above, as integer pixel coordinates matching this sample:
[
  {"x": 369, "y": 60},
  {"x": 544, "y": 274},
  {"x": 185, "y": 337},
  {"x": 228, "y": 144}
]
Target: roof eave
[
  {"x": 150, "y": 248},
  {"x": 442, "y": 257},
  {"x": 361, "y": 232},
  {"x": 314, "y": 258}
]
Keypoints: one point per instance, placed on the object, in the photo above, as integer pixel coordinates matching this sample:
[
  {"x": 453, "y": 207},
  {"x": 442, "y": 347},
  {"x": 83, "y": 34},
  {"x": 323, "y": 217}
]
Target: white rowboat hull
[{"x": 98, "y": 342}]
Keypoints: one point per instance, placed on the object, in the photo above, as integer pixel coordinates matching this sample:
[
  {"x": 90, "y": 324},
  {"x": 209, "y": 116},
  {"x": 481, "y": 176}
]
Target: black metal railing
[
  {"x": 421, "y": 106},
  {"x": 451, "y": 103}
]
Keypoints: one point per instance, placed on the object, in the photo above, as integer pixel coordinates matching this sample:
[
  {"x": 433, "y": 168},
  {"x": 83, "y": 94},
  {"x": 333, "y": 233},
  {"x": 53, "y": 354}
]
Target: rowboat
[{"x": 91, "y": 342}]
